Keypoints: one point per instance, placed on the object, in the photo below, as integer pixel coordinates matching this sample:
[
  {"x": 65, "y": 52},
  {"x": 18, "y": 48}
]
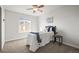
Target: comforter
[{"x": 45, "y": 37}]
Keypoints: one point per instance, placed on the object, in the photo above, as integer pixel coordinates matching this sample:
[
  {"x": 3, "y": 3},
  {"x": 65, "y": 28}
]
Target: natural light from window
[{"x": 24, "y": 25}]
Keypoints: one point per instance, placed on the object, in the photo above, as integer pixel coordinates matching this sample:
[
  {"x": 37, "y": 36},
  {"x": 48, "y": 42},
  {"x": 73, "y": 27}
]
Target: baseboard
[
  {"x": 75, "y": 46},
  {"x": 14, "y": 39}
]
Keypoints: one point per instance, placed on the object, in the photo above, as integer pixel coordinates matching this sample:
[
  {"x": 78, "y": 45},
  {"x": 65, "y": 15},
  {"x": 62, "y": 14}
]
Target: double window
[{"x": 24, "y": 25}]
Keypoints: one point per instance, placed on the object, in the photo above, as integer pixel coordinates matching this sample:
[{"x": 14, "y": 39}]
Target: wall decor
[{"x": 50, "y": 19}]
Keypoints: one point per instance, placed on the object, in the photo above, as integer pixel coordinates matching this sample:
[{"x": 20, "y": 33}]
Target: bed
[{"x": 45, "y": 36}]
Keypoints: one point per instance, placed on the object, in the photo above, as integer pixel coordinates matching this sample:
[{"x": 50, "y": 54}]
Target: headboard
[{"x": 53, "y": 28}]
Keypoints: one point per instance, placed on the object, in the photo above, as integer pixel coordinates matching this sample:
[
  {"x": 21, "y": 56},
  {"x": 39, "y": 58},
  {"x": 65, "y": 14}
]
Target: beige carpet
[{"x": 19, "y": 46}]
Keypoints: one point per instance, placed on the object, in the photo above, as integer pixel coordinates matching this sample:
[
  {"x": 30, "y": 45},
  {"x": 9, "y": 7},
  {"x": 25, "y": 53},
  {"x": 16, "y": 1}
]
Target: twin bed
[{"x": 34, "y": 42}]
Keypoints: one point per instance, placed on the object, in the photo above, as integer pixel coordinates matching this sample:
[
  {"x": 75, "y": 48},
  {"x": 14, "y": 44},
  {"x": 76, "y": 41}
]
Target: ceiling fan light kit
[{"x": 36, "y": 8}]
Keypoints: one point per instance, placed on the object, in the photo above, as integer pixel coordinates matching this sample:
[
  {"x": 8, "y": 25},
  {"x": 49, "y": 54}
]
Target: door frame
[{"x": 0, "y": 27}]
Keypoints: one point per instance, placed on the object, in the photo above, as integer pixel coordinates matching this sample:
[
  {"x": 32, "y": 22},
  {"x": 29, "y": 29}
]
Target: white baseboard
[
  {"x": 75, "y": 46},
  {"x": 14, "y": 39}
]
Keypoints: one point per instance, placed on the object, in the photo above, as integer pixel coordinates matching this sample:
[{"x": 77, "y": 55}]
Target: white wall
[
  {"x": 43, "y": 22},
  {"x": 12, "y": 25},
  {"x": 66, "y": 19},
  {"x": 3, "y": 28}
]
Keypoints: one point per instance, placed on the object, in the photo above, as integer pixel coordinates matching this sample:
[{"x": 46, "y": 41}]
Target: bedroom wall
[
  {"x": 66, "y": 18},
  {"x": 12, "y": 24},
  {"x": 43, "y": 21}
]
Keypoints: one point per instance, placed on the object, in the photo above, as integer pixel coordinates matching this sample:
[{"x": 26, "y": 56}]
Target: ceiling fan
[{"x": 36, "y": 8}]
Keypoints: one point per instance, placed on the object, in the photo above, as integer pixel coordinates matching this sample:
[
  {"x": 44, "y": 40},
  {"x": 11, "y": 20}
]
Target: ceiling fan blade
[
  {"x": 34, "y": 6},
  {"x": 29, "y": 9},
  {"x": 41, "y": 6},
  {"x": 38, "y": 6}
]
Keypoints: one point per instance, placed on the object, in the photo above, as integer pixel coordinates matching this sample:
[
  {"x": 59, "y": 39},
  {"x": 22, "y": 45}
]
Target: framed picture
[{"x": 50, "y": 20}]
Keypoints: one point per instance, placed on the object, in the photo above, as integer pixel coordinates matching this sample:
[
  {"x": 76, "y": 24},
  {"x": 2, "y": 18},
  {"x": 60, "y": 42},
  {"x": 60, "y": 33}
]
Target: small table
[{"x": 59, "y": 37}]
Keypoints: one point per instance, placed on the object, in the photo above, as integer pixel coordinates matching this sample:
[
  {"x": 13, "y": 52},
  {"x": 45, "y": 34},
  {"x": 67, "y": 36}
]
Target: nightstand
[{"x": 59, "y": 38}]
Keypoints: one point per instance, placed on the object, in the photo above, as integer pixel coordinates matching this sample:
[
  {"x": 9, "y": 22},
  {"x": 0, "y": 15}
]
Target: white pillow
[{"x": 50, "y": 29}]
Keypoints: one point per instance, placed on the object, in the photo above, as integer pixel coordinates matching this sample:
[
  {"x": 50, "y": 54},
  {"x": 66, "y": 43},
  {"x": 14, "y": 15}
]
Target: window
[{"x": 24, "y": 25}]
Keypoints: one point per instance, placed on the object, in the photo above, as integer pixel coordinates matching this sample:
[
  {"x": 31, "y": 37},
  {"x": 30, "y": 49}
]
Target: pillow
[{"x": 51, "y": 29}]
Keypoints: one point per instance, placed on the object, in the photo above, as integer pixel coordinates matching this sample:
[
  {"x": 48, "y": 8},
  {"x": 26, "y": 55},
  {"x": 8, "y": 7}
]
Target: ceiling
[{"x": 22, "y": 9}]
